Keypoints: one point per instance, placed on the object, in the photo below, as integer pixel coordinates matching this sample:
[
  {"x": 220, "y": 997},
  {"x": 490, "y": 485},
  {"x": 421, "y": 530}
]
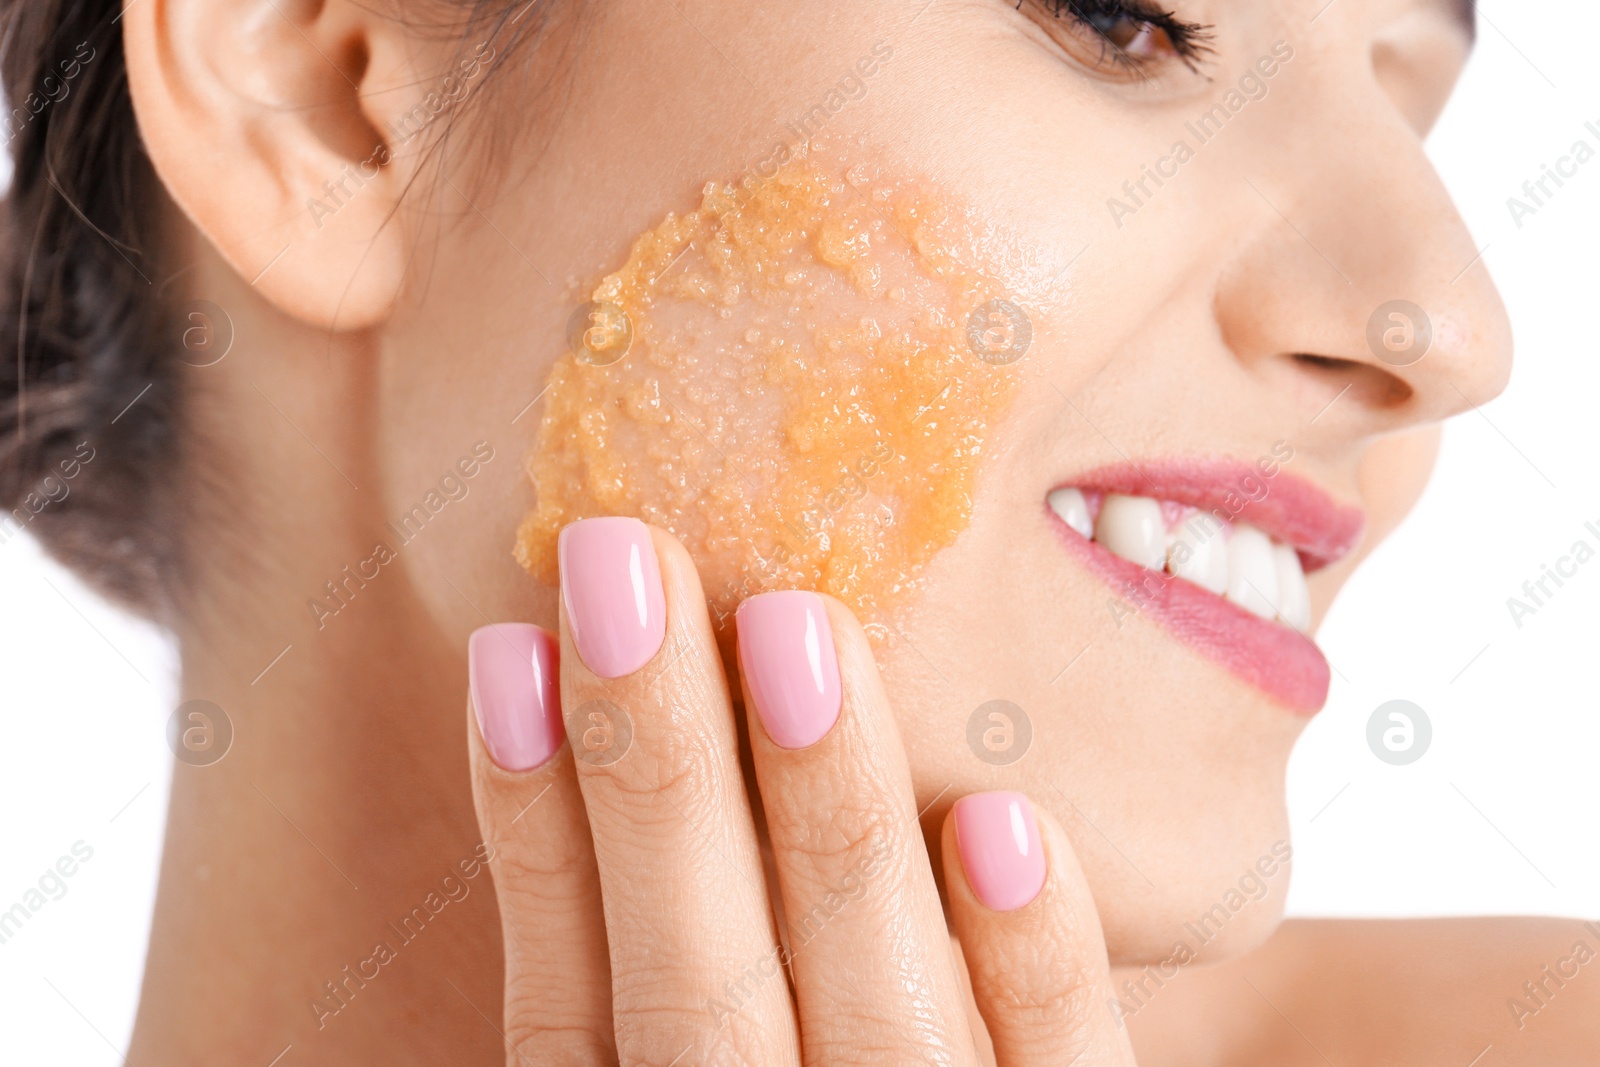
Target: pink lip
[{"x": 1282, "y": 663}]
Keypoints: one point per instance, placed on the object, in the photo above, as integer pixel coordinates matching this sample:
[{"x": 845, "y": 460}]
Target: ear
[{"x": 288, "y": 131}]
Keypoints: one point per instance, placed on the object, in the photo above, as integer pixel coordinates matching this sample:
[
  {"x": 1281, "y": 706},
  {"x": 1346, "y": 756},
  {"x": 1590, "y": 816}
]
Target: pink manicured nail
[
  {"x": 1000, "y": 848},
  {"x": 786, "y": 653},
  {"x": 516, "y": 691},
  {"x": 611, "y": 584}
]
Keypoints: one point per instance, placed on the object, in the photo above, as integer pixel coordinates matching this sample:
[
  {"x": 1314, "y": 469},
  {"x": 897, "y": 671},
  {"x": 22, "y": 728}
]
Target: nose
[{"x": 1357, "y": 270}]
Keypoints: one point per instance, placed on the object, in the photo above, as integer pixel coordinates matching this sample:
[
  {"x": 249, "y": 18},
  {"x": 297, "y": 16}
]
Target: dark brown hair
[
  {"x": 90, "y": 383},
  {"x": 90, "y": 373}
]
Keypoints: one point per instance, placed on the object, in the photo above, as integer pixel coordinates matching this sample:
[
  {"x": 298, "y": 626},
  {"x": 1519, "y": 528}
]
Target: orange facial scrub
[{"x": 797, "y": 379}]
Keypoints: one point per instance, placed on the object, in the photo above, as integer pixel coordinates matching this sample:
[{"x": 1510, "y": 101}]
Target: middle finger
[{"x": 872, "y": 958}]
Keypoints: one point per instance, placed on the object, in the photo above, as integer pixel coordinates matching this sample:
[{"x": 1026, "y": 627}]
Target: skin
[
  {"x": 873, "y": 973},
  {"x": 374, "y": 350}
]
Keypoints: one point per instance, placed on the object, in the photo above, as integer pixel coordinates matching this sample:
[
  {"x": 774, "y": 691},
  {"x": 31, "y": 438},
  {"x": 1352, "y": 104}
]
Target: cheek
[{"x": 798, "y": 379}]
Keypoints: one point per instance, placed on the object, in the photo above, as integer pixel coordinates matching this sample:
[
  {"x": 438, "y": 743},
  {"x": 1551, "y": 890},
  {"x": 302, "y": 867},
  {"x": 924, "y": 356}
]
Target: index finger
[{"x": 1031, "y": 935}]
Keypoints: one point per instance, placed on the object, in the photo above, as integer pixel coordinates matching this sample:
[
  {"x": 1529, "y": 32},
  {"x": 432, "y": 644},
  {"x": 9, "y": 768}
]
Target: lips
[{"x": 1215, "y": 552}]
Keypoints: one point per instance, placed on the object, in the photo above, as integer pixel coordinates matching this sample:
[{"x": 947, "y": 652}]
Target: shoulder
[{"x": 1414, "y": 991}]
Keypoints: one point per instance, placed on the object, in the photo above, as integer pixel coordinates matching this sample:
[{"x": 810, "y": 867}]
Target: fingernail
[
  {"x": 611, "y": 584},
  {"x": 1000, "y": 848},
  {"x": 786, "y": 654},
  {"x": 516, "y": 692}
]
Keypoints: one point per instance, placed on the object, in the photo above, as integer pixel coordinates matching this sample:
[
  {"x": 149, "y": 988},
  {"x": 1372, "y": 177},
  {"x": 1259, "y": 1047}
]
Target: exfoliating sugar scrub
[{"x": 797, "y": 379}]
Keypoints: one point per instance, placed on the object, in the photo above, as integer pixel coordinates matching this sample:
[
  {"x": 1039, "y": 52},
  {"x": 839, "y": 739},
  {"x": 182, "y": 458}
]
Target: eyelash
[{"x": 1191, "y": 41}]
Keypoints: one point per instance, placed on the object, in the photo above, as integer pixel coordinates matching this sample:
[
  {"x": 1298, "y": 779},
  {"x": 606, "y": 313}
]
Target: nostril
[{"x": 1369, "y": 385}]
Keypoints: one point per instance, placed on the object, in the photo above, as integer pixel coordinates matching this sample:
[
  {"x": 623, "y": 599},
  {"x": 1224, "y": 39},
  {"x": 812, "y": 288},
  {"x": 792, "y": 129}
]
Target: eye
[{"x": 1127, "y": 36}]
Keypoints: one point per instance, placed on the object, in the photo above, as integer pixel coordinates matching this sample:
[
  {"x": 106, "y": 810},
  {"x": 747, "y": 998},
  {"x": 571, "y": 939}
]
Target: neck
[{"x": 314, "y": 872}]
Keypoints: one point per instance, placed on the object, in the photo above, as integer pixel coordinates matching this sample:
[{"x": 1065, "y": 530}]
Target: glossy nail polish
[
  {"x": 787, "y": 656},
  {"x": 611, "y": 585},
  {"x": 516, "y": 693},
  {"x": 998, "y": 838}
]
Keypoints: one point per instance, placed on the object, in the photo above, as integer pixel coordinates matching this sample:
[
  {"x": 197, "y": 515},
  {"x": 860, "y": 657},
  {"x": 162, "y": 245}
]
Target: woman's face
[{"x": 1204, "y": 237}]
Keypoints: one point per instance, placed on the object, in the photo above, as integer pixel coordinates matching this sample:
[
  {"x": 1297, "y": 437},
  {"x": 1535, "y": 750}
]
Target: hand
[{"x": 639, "y": 922}]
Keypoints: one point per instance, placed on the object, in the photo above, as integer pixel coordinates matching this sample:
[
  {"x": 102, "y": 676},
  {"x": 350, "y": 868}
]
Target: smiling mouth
[{"x": 1216, "y": 552}]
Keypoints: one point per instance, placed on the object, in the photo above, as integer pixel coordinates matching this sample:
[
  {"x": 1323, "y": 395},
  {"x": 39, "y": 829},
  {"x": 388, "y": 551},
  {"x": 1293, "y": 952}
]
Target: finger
[
  {"x": 557, "y": 979},
  {"x": 1031, "y": 935},
  {"x": 871, "y": 953},
  {"x": 695, "y": 970}
]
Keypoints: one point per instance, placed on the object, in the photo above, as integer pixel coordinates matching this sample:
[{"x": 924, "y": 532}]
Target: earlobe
[{"x": 269, "y": 123}]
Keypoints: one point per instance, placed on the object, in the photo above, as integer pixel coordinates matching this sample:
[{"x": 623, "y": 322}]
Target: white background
[{"x": 1499, "y": 816}]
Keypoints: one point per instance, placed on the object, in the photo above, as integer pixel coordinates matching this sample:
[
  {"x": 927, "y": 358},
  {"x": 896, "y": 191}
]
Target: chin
[
  {"x": 1219, "y": 894},
  {"x": 1165, "y": 767}
]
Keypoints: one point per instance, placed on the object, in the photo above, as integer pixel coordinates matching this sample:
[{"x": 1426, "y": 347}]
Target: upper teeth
[{"x": 1234, "y": 560}]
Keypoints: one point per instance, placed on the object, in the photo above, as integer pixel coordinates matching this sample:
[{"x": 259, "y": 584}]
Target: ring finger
[{"x": 694, "y": 948}]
